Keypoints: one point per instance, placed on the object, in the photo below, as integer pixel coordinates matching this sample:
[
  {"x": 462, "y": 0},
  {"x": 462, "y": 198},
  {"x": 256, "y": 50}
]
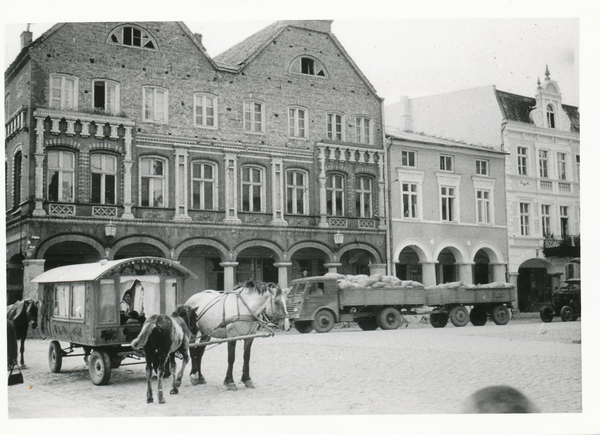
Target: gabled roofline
[{"x": 198, "y": 44}]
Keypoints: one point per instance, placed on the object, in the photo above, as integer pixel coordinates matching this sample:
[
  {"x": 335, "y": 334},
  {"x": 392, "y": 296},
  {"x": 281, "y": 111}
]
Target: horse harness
[{"x": 236, "y": 318}]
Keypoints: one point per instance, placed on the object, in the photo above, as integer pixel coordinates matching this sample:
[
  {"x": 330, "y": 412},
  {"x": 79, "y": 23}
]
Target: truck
[{"x": 379, "y": 301}]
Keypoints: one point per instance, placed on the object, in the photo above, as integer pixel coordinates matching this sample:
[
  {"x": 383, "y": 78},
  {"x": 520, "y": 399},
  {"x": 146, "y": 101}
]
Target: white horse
[{"x": 237, "y": 313}]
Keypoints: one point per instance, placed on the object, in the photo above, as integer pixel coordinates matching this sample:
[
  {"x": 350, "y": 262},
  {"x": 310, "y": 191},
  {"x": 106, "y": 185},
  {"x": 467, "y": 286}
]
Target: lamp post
[{"x": 109, "y": 231}]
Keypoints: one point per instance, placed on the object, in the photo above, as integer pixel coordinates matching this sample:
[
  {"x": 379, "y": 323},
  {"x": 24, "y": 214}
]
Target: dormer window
[
  {"x": 309, "y": 66},
  {"x": 132, "y": 36},
  {"x": 550, "y": 116}
]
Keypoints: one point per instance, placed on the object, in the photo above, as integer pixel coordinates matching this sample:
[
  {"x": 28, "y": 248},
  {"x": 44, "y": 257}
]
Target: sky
[{"x": 401, "y": 51}]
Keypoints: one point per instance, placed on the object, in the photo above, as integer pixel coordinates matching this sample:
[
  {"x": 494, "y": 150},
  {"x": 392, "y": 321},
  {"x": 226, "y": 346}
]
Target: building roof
[
  {"x": 517, "y": 108},
  {"x": 433, "y": 140}
]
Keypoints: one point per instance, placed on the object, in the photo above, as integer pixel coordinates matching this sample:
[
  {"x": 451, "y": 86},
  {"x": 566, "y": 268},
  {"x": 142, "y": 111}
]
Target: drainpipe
[{"x": 386, "y": 195}]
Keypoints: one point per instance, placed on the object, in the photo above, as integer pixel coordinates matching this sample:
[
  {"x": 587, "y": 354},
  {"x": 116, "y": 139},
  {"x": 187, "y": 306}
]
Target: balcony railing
[{"x": 562, "y": 246}]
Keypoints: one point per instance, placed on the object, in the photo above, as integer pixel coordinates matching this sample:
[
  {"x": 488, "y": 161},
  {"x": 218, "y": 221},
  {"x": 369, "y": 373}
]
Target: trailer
[{"x": 379, "y": 301}]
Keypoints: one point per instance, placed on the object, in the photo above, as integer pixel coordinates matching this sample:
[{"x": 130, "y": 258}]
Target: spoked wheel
[
  {"x": 500, "y": 315},
  {"x": 55, "y": 357},
  {"x": 546, "y": 314},
  {"x": 459, "y": 316},
  {"x": 389, "y": 318},
  {"x": 367, "y": 323},
  {"x": 303, "y": 326},
  {"x": 566, "y": 313},
  {"x": 324, "y": 321},
  {"x": 99, "y": 367},
  {"x": 438, "y": 319},
  {"x": 478, "y": 316}
]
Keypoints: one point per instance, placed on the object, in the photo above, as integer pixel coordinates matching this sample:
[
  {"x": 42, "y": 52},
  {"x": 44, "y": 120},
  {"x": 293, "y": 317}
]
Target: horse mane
[
  {"x": 258, "y": 286},
  {"x": 188, "y": 314}
]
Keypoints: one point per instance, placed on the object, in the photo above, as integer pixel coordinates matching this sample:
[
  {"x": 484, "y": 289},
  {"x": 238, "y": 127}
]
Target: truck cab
[{"x": 309, "y": 295}]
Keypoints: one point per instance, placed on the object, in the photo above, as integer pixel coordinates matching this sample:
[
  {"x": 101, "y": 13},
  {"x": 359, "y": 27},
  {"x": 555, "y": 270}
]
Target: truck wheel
[
  {"x": 389, "y": 318},
  {"x": 478, "y": 316},
  {"x": 55, "y": 357},
  {"x": 303, "y": 326},
  {"x": 500, "y": 315},
  {"x": 459, "y": 316},
  {"x": 324, "y": 321},
  {"x": 99, "y": 367},
  {"x": 438, "y": 319},
  {"x": 546, "y": 314},
  {"x": 566, "y": 313},
  {"x": 367, "y": 323}
]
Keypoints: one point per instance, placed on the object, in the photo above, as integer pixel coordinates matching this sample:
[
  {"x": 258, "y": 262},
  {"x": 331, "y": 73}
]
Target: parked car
[{"x": 566, "y": 302}]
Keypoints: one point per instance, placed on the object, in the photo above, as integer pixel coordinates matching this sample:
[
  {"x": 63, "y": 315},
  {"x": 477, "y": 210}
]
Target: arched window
[
  {"x": 364, "y": 196},
  {"x": 204, "y": 186},
  {"x": 309, "y": 66},
  {"x": 550, "y": 116},
  {"x": 17, "y": 173},
  {"x": 132, "y": 36},
  {"x": 253, "y": 186},
  {"x": 104, "y": 178},
  {"x": 336, "y": 193},
  {"x": 153, "y": 179},
  {"x": 61, "y": 176},
  {"x": 296, "y": 192}
]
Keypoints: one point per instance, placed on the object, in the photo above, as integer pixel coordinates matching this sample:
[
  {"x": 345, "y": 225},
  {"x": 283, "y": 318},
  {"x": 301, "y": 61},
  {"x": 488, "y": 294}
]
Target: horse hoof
[
  {"x": 249, "y": 384},
  {"x": 231, "y": 386},
  {"x": 174, "y": 391},
  {"x": 149, "y": 400},
  {"x": 161, "y": 401},
  {"x": 178, "y": 383}
]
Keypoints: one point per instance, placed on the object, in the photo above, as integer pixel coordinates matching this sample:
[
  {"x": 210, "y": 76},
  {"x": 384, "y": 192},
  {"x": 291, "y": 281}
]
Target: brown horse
[
  {"x": 161, "y": 337},
  {"x": 235, "y": 314},
  {"x": 22, "y": 313}
]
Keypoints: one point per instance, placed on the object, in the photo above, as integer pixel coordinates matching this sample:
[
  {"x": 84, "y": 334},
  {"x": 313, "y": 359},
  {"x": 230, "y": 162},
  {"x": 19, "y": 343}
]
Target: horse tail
[{"x": 141, "y": 340}]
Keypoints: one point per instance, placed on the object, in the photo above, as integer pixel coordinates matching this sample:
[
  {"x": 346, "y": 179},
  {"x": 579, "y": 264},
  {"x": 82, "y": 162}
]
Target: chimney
[{"x": 26, "y": 38}]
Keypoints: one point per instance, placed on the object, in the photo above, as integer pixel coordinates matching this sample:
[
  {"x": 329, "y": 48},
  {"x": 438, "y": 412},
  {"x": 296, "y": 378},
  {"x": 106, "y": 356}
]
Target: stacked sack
[
  {"x": 461, "y": 284},
  {"x": 377, "y": 280}
]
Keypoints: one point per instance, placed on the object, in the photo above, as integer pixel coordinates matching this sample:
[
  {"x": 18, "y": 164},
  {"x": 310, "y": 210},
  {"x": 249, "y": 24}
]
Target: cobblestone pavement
[{"x": 416, "y": 369}]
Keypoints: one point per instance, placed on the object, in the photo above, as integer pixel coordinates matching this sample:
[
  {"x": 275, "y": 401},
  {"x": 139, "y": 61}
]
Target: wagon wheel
[
  {"x": 324, "y": 321},
  {"x": 389, "y": 318},
  {"x": 99, "y": 367},
  {"x": 500, "y": 315},
  {"x": 546, "y": 314},
  {"x": 367, "y": 323},
  {"x": 438, "y": 319},
  {"x": 478, "y": 316},
  {"x": 55, "y": 357},
  {"x": 566, "y": 313},
  {"x": 303, "y": 326},
  {"x": 459, "y": 316}
]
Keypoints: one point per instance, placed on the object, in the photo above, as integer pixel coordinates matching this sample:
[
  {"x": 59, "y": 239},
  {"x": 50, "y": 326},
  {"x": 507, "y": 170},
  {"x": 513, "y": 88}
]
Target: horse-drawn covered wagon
[{"x": 101, "y": 307}]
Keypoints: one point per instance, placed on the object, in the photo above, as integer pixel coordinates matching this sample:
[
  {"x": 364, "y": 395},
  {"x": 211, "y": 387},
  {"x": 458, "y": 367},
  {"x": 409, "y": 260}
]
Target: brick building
[
  {"x": 541, "y": 138},
  {"x": 127, "y": 139}
]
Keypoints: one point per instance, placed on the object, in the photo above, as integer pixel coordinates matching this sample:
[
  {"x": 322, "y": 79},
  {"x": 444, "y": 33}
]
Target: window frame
[
  {"x": 331, "y": 192},
  {"x": 550, "y": 116},
  {"x": 294, "y": 122},
  {"x": 117, "y": 97},
  {"x": 165, "y": 182},
  {"x": 444, "y": 159},
  {"x": 61, "y": 172},
  {"x": 201, "y": 181},
  {"x": 564, "y": 220},
  {"x": 484, "y": 206},
  {"x": 525, "y": 219},
  {"x": 204, "y": 117},
  {"x": 364, "y": 196},
  {"x": 252, "y": 183},
  {"x": 522, "y": 161},
  {"x": 359, "y": 128},
  {"x": 251, "y": 103},
  {"x": 482, "y": 167},
  {"x": 546, "y": 219},
  {"x": 118, "y": 33},
  {"x": 17, "y": 177},
  {"x": 103, "y": 173},
  {"x": 448, "y": 203},
  {"x": 291, "y": 192},
  {"x": 543, "y": 163},
  {"x": 297, "y": 67},
  {"x": 63, "y": 103},
  {"x": 145, "y": 108},
  {"x": 408, "y": 153},
  {"x": 413, "y": 200},
  {"x": 331, "y": 132},
  {"x": 561, "y": 165}
]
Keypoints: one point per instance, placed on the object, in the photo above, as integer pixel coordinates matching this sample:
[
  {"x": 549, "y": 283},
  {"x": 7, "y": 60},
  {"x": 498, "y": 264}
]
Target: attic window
[
  {"x": 132, "y": 36},
  {"x": 309, "y": 66},
  {"x": 550, "y": 116}
]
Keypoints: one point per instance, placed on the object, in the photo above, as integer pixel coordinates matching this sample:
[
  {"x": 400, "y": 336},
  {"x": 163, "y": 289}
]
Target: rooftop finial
[
  {"x": 539, "y": 84},
  {"x": 547, "y": 73}
]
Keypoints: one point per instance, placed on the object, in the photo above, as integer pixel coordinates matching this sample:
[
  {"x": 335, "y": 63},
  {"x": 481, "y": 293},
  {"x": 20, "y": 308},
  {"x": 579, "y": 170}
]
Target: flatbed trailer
[{"x": 320, "y": 302}]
